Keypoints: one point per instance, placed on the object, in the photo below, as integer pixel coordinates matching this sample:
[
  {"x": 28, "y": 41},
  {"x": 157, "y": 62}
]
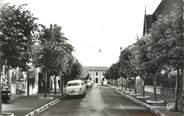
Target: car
[{"x": 75, "y": 88}]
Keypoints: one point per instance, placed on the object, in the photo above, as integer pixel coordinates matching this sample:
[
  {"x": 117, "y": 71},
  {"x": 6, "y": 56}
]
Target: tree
[
  {"x": 167, "y": 36},
  {"x": 51, "y": 51},
  {"x": 113, "y": 72},
  {"x": 17, "y": 26},
  {"x": 1, "y": 66},
  {"x": 133, "y": 64},
  {"x": 126, "y": 68},
  {"x": 141, "y": 54},
  {"x": 76, "y": 70},
  {"x": 68, "y": 68}
]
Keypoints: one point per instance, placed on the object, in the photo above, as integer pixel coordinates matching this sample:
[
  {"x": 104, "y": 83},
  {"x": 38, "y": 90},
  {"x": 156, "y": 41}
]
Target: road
[{"x": 99, "y": 101}]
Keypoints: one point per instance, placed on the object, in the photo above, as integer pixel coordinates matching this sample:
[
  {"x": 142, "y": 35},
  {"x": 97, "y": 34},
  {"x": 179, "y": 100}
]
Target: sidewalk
[
  {"x": 162, "y": 107},
  {"x": 156, "y": 108},
  {"x": 22, "y": 105}
]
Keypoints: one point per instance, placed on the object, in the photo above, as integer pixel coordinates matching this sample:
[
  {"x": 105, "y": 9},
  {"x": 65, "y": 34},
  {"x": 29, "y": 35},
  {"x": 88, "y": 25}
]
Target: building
[
  {"x": 96, "y": 73},
  {"x": 20, "y": 82},
  {"x": 165, "y": 7}
]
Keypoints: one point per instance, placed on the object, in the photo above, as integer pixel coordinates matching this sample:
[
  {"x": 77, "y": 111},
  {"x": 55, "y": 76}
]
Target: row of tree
[
  {"x": 160, "y": 49},
  {"x": 23, "y": 42}
]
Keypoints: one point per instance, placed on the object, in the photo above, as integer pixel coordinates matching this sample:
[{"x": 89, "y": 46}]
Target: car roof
[{"x": 74, "y": 81}]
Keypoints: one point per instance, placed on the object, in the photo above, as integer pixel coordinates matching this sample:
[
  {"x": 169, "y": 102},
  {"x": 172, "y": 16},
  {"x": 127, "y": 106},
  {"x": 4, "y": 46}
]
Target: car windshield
[{"x": 73, "y": 84}]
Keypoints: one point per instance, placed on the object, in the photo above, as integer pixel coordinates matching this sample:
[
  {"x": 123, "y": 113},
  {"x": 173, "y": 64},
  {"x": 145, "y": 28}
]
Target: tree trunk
[
  {"x": 176, "y": 91},
  {"x": 135, "y": 86},
  {"x": 154, "y": 87},
  {"x": 143, "y": 87},
  {"x": 54, "y": 85},
  {"x": 121, "y": 83},
  {"x": 61, "y": 85},
  {"x": 28, "y": 83},
  {"x": 45, "y": 92},
  {"x": 8, "y": 78},
  {"x": 0, "y": 95}
]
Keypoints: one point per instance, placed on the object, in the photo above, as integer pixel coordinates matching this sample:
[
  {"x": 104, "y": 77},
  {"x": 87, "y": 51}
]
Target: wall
[
  {"x": 94, "y": 76},
  {"x": 150, "y": 89}
]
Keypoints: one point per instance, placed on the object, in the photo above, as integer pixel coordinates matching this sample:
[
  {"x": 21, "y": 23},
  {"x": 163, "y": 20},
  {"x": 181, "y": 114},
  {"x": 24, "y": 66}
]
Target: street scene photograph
[{"x": 91, "y": 57}]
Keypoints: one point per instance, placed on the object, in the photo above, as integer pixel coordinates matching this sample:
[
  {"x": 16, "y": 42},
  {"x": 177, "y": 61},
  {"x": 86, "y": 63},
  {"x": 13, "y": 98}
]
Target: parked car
[{"x": 75, "y": 88}]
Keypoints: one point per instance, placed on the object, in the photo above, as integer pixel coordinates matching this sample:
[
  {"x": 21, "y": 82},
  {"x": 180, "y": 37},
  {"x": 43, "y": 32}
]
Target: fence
[
  {"x": 160, "y": 90},
  {"x": 164, "y": 90}
]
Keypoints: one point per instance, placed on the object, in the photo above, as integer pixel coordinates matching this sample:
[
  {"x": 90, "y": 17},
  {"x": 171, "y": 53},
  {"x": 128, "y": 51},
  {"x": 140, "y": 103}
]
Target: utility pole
[{"x": 46, "y": 65}]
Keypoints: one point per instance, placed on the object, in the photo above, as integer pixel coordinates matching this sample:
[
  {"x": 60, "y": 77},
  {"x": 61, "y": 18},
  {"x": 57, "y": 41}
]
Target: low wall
[
  {"x": 163, "y": 90},
  {"x": 150, "y": 89}
]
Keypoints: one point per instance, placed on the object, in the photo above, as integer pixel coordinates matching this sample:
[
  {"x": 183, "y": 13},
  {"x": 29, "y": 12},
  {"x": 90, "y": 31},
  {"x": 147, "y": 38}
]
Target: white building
[{"x": 96, "y": 73}]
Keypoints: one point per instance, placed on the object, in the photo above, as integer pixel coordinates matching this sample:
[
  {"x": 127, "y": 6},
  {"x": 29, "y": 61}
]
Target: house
[
  {"x": 20, "y": 82},
  {"x": 165, "y": 7},
  {"x": 96, "y": 73}
]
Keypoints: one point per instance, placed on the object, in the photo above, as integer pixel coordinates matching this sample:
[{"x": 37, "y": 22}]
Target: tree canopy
[
  {"x": 51, "y": 50},
  {"x": 17, "y": 26}
]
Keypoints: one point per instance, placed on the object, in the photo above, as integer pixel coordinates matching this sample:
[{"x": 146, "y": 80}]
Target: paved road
[{"x": 100, "y": 101}]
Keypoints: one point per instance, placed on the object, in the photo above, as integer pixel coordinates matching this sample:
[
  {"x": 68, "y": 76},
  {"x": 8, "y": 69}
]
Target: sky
[{"x": 96, "y": 28}]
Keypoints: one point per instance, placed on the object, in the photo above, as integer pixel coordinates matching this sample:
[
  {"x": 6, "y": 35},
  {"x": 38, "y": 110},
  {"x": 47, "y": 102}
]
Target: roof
[
  {"x": 160, "y": 6},
  {"x": 96, "y": 68},
  {"x": 166, "y": 6}
]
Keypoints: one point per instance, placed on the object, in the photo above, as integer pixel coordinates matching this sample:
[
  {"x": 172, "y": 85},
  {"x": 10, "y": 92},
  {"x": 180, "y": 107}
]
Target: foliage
[
  {"x": 142, "y": 56},
  {"x": 51, "y": 50},
  {"x": 17, "y": 26},
  {"x": 167, "y": 43},
  {"x": 76, "y": 70},
  {"x": 113, "y": 72},
  {"x": 167, "y": 36},
  {"x": 126, "y": 69}
]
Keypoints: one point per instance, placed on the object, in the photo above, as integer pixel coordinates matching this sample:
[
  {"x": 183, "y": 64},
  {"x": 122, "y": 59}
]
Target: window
[
  {"x": 73, "y": 84},
  {"x": 96, "y": 73}
]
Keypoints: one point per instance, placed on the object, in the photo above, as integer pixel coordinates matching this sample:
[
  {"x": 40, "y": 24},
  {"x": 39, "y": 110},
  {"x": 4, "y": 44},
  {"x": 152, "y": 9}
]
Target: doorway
[{"x": 96, "y": 80}]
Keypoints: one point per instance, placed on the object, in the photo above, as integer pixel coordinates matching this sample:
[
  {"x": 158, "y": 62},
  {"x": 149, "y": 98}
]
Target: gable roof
[
  {"x": 166, "y": 6},
  {"x": 96, "y": 68},
  {"x": 160, "y": 6}
]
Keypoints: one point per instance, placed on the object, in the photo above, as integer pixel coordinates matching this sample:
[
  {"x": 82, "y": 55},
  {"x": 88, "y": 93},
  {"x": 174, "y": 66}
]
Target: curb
[
  {"x": 45, "y": 107},
  {"x": 139, "y": 102}
]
